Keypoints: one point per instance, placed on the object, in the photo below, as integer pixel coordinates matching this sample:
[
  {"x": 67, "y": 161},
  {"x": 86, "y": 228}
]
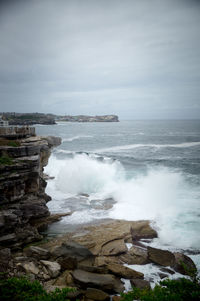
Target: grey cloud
[{"x": 135, "y": 58}]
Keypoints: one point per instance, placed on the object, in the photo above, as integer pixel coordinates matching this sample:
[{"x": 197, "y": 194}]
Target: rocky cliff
[{"x": 22, "y": 187}]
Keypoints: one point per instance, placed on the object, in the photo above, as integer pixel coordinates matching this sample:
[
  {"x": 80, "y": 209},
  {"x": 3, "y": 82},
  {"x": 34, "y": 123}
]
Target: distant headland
[{"x": 41, "y": 118}]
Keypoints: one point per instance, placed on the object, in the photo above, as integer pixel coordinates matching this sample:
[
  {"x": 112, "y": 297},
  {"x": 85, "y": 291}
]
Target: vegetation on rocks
[
  {"x": 6, "y": 142},
  {"x": 168, "y": 290},
  {"x": 6, "y": 160},
  {"x": 21, "y": 289}
]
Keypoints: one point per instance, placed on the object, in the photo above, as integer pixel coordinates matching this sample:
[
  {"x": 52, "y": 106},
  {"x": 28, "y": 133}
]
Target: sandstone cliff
[{"x": 22, "y": 187}]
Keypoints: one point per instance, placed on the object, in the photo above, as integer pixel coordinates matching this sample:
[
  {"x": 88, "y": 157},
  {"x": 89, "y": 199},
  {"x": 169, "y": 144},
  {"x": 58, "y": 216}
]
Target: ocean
[{"x": 133, "y": 170}]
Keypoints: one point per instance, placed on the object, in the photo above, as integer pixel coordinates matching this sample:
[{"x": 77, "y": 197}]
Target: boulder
[
  {"x": 114, "y": 247},
  {"x": 67, "y": 263},
  {"x": 167, "y": 270},
  {"x": 103, "y": 261},
  {"x": 184, "y": 264},
  {"x": 124, "y": 272},
  {"x": 52, "y": 267},
  {"x": 71, "y": 249},
  {"x": 140, "y": 283},
  {"x": 65, "y": 279},
  {"x": 106, "y": 282},
  {"x": 161, "y": 257},
  {"x": 135, "y": 255},
  {"x": 96, "y": 294},
  {"x": 28, "y": 267},
  {"x": 142, "y": 230},
  {"x": 37, "y": 252}
]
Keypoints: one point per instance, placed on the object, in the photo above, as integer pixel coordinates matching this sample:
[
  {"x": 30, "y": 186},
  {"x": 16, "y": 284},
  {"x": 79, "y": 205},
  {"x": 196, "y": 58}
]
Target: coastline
[{"x": 106, "y": 253}]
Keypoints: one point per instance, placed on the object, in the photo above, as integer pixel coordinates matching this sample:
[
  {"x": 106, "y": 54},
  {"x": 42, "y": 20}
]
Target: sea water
[{"x": 129, "y": 170}]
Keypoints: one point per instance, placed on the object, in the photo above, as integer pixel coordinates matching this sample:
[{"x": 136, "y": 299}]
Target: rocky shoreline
[{"x": 95, "y": 260}]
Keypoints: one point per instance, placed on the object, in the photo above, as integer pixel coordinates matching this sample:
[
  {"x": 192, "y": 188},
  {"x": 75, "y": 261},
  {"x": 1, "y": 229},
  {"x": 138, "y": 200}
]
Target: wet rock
[
  {"x": 184, "y": 264},
  {"x": 162, "y": 275},
  {"x": 161, "y": 257},
  {"x": 114, "y": 247},
  {"x": 142, "y": 230},
  {"x": 37, "y": 252},
  {"x": 140, "y": 283},
  {"x": 108, "y": 238},
  {"x": 52, "y": 267},
  {"x": 167, "y": 270},
  {"x": 106, "y": 282},
  {"x": 124, "y": 272},
  {"x": 42, "y": 223},
  {"x": 97, "y": 295},
  {"x": 135, "y": 255},
  {"x": 71, "y": 249}
]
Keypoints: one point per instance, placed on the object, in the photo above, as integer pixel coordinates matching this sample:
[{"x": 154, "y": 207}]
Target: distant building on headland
[{"x": 3, "y": 122}]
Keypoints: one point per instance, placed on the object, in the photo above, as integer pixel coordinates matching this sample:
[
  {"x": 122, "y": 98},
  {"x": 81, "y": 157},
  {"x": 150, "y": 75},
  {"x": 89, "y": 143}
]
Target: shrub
[
  {"x": 21, "y": 289},
  {"x": 168, "y": 290},
  {"x": 5, "y": 160}
]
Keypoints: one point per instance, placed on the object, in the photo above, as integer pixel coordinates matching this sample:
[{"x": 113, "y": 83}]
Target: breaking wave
[{"x": 160, "y": 194}]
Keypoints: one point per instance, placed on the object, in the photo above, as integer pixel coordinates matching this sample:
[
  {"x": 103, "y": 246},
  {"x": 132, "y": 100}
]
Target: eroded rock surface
[{"x": 22, "y": 187}]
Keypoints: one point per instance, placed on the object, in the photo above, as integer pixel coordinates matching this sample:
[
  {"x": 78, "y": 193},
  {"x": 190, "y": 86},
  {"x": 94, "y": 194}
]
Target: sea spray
[{"x": 160, "y": 194}]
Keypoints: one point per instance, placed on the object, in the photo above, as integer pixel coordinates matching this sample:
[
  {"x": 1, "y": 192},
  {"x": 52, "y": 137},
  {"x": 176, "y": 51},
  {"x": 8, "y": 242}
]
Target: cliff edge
[{"x": 23, "y": 156}]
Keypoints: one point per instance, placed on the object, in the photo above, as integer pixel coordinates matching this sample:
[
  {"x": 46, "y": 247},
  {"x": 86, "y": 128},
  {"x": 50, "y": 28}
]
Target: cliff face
[{"x": 22, "y": 188}]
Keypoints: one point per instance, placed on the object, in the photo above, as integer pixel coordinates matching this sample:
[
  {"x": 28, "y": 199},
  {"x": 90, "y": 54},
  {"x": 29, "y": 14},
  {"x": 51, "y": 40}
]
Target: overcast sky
[{"x": 135, "y": 58}]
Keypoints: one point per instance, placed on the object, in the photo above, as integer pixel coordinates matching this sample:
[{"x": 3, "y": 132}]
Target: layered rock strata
[{"x": 22, "y": 187}]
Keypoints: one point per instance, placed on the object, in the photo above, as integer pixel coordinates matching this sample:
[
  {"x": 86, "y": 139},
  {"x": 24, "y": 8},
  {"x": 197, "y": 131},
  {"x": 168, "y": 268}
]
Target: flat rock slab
[
  {"x": 124, "y": 272},
  {"x": 100, "y": 239},
  {"x": 105, "y": 282},
  {"x": 71, "y": 249},
  {"x": 161, "y": 257}
]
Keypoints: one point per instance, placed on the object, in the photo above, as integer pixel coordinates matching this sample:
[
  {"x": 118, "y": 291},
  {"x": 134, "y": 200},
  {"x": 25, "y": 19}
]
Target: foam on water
[
  {"x": 76, "y": 138},
  {"x": 132, "y": 146},
  {"x": 161, "y": 195}
]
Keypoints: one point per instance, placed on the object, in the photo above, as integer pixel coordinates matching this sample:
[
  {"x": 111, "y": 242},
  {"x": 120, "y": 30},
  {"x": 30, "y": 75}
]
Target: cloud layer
[{"x": 135, "y": 58}]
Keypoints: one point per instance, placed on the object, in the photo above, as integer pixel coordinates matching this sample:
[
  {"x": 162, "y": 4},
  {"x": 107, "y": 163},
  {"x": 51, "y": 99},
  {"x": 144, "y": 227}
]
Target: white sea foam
[
  {"x": 161, "y": 195},
  {"x": 70, "y": 139},
  {"x": 132, "y": 146}
]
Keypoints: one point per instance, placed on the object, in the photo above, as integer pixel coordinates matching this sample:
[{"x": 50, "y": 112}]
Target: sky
[{"x": 139, "y": 59}]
